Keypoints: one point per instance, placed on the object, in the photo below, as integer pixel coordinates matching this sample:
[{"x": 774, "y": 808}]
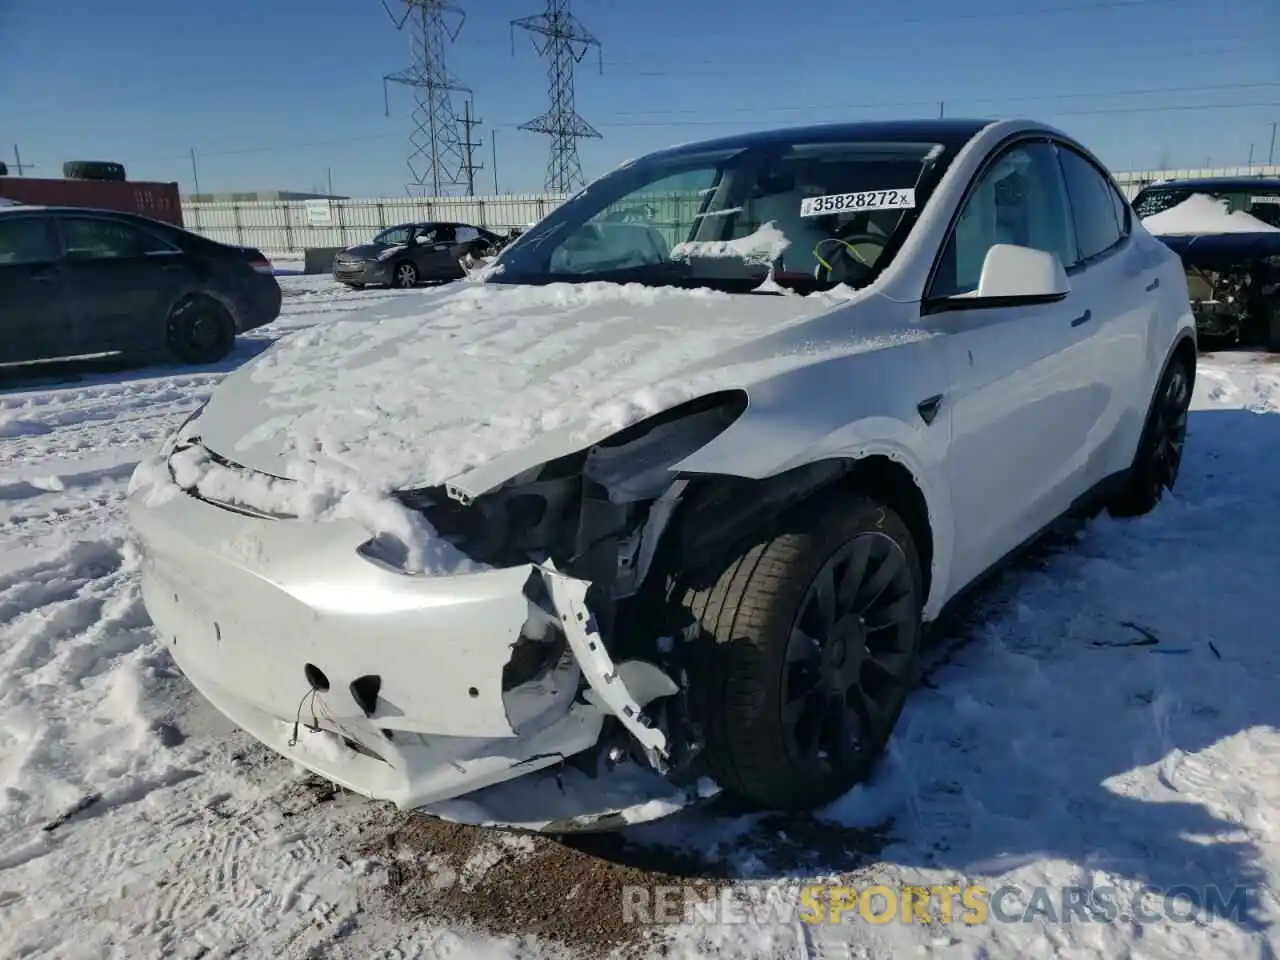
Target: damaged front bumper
[{"x": 429, "y": 692}]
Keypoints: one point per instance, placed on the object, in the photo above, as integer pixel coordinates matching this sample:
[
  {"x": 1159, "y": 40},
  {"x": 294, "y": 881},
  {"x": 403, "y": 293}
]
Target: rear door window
[
  {"x": 26, "y": 240},
  {"x": 87, "y": 238},
  {"x": 1092, "y": 207}
]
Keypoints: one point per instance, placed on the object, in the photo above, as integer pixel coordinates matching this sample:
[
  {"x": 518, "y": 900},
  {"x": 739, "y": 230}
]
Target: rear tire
[
  {"x": 200, "y": 330},
  {"x": 799, "y": 696},
  {"x": 1158, "y": 460}
]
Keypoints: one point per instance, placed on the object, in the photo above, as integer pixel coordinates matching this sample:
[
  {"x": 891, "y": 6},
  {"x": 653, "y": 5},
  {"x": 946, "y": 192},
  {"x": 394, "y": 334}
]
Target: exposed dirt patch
[
  {"x": 518, "y": 884},
  {"x": 571, "y": 891}
]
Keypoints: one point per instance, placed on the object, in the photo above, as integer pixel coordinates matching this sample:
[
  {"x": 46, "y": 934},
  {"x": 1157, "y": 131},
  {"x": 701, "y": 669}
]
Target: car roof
[
  {"x": 950, "y": 132},
  {"x": 77, "y": 211},
  {"x": 431, "y": 223},
  {"x": 1218, "y": 183}
]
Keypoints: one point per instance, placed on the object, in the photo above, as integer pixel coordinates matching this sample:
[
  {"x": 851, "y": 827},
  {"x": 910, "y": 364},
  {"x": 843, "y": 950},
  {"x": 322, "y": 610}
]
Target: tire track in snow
[{"x": 75, "y": 645}]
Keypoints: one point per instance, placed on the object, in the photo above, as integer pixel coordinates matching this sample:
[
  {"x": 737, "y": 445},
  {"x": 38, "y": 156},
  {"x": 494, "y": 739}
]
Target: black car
[
  {"x": 1233, "y": 277},
  {"x": 403, "y": 255},
  {"x": 78, "y": 282}
]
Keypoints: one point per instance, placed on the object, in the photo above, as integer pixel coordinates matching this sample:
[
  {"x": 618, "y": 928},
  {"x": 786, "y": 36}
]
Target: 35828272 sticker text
[{"x": 899, "y": 199}]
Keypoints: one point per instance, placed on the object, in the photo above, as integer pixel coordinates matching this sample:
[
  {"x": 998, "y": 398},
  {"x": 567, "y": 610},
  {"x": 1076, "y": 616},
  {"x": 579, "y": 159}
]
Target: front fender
[{"x": 848, "y": 409}]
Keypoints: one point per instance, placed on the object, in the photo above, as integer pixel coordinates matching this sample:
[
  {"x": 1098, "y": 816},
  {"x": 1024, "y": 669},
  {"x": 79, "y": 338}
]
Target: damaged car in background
[
  {"x": 1227, "y": 232},
  {"x": 659, "y": 505}
]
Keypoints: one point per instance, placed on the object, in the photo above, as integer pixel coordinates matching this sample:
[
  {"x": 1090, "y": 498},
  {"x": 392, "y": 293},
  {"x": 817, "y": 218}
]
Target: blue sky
[{"x": 281, "y": 94}]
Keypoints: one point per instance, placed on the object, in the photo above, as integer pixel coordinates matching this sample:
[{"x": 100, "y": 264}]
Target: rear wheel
[
  {"x": 200, "y": 330},
  {"x": 404, "y": 275},
  {"x": 1159, "y": 458},
  {"x": 812, "y": 644}
]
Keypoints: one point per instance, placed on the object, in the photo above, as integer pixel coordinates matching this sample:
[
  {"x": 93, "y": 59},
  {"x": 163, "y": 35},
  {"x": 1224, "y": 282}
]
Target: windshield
[
  {"x": 1264, "y": 204},
  {"x": 804, "y": 216}
]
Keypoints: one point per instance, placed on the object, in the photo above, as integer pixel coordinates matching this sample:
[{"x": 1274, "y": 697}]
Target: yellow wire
[{"x": 844, "y": 243}]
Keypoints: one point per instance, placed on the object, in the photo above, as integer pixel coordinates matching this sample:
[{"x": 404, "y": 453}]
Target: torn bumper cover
[{"x": 427, "y": 692}]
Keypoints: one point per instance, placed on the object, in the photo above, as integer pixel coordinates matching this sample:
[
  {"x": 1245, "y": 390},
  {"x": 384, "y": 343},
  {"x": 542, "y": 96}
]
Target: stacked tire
[{"x": 93, "y": 170}]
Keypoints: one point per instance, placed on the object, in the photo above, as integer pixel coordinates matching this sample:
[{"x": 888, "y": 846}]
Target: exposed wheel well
[
  {"x": 722, "y": 514},
  {"x": 894, "y": 485},
  {"x": 1186, "y": 352}
]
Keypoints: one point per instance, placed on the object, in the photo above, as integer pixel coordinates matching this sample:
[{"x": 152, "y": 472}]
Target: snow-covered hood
[
  {"x": 479, "y": 382},
  {"x": 365, "y": 251}
]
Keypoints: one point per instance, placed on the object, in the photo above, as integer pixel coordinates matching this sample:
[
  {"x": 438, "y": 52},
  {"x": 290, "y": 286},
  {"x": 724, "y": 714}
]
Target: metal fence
[{"x": 291, "y": 226}]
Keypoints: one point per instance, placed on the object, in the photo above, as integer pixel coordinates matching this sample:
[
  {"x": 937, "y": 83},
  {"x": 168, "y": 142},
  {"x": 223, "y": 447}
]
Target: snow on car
[
  {"x": 1227, "y": 232},
  {"x": 661, "y": 507}
]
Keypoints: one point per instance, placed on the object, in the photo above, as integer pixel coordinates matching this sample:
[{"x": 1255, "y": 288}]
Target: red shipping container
[{"x": 160, "y": 201}]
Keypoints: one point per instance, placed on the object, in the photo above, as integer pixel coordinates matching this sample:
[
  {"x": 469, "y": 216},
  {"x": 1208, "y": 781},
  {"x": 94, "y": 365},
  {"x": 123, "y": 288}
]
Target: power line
[
  {"x": 707, "y": 121},
  {"x": 1131, "y": 49},
  {"x": 1130, "y": 54},
  {"x": 869, "y": 24},
  {"x": 1145, "y": 91},
  {"x": 1167, "y": 108}
]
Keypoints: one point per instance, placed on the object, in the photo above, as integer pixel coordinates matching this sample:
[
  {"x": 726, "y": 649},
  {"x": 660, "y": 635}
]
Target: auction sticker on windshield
[{"x": 901, "y": 199}]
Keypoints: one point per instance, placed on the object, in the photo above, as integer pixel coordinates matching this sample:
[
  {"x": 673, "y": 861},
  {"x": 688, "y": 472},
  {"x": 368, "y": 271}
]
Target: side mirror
[{"x": 1022, "y": 273}]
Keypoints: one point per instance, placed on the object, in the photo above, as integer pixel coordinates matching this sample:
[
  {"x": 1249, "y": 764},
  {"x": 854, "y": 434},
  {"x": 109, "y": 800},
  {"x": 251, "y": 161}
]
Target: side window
[
  {"x": 93, "y": 239},
  {"x": 1121, "y": 207},
  {"x": 25, "y": 240},
  {"x": 1019, "y": 199},
  {"x": 467, "y": 234},
  {"x": 1092, "y": 205},
  {"x": 443, "y": 233},
  {"x": 393, "y": 237}
]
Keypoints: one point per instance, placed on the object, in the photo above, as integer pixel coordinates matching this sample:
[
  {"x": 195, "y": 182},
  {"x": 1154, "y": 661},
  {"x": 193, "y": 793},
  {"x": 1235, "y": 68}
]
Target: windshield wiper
[{"x": 652, "y": 273}]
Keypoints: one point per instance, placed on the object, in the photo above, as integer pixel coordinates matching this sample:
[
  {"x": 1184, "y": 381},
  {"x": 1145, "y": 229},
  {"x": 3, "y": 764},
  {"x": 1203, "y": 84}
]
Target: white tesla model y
[{"x": 658, "y": 504}]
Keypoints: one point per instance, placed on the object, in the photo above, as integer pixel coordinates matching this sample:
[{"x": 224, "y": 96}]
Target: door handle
[
  {"x": 43, "y": 274},
  {"x": 1083, "y": 318},
  {"x": 1153, "y": 284}
]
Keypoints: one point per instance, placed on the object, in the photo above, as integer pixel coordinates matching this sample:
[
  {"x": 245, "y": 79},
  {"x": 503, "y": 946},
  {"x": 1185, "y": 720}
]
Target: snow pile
[
  {"x": 762, "y": 247},
  {"x": 1200, "y": 213},
  {"x": 318, "y": 495}
]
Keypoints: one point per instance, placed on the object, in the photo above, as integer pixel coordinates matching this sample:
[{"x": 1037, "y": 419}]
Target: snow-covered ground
[{"x": 1045, "y": 748}]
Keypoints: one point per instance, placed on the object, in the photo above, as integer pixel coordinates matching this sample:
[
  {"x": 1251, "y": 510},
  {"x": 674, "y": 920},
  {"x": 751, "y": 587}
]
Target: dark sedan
[
  {"x": 403, "y": 255},
  {"x": 80, "y": 282}
]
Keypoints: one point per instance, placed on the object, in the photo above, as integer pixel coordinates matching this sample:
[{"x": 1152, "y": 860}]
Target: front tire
[
  {"x": 404, "y": 275},
  {"x": 812, "y": 642},
  {"x": 1159, "y": 458},
  {"x": 200, "y": 330}
]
